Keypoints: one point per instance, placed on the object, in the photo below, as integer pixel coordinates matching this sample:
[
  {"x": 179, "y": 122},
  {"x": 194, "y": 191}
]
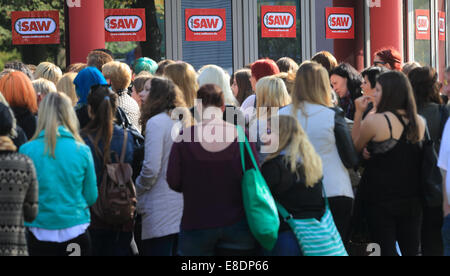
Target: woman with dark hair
[
  {"x": 242, "y": 85},
  {"x": 160, "y": 207},
  {"x": 106, "y": 140},
  {"x": 425, "y": 83},
  {"x": 368, "y": 85},
  {"x": 287, "y": 65},
  {"x": 206, "y": 167},
  {"x": 389, "y": 58},
  {"x": 346, "y": 82},
  {"x": 390, "y": 186},
  {"x": 326, "y": 59}
]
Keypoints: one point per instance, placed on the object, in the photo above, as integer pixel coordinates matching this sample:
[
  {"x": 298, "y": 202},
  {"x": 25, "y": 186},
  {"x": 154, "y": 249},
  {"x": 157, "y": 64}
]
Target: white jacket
[
  {"x": 161, "y": 208},
  {"x": 319, "y": 126}
]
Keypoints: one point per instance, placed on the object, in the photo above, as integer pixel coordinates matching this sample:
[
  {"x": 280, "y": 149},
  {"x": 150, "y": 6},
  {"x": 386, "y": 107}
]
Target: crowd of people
[{"x": 146, "y": 159}]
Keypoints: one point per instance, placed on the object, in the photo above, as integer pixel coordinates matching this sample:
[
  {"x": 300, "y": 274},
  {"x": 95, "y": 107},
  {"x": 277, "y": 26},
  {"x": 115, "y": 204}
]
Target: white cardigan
[
  {"x": 161, "y": 208},
  {"x": 319, "y": 126}
]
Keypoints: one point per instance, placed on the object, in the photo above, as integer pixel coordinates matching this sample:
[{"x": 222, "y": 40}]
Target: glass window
[
  {"x": 276, "y": 48},
  {"x": 200, "y": 53},
  {"x": 441, "y": 44},
  {"x": 422, "y": 48},
  {"x": 160, "y": 19}
]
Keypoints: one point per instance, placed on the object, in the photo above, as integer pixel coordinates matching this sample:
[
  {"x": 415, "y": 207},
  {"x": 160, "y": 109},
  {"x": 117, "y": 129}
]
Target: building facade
[{"x": 377, "y": 23}]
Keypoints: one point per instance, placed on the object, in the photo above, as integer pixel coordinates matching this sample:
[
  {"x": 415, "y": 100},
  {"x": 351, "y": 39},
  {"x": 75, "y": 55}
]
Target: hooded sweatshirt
[
  {"x": 85, "y": 80},
  {"x": 83, "y": 83}
]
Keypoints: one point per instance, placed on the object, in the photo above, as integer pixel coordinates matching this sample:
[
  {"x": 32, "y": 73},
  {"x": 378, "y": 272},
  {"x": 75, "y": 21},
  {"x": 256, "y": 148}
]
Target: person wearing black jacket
[
  {"x": 425, "y": 83},
  {"x": 294, "y": 184}
]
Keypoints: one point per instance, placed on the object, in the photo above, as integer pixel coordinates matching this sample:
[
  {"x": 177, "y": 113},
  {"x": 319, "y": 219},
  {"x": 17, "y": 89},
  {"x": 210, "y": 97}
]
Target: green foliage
[{"x": 8, "y": 56}]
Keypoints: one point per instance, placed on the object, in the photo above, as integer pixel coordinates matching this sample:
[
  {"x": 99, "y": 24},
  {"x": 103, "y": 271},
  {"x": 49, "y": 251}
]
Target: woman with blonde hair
[
  {"x": 42, "y": 87},
  {"x": 65, "y": 85},
  {"x": 119, "y": 75},
  {"x": 48, "y": 71},
  {"x": 185, "y": 77},
  {"x": 213, "y": 74},
  {"x": 67, "y": 181},
  {"x": 330, "y": 136},
  {"x": 293, "y": 174},
  {"x": 271, "y": 95}
]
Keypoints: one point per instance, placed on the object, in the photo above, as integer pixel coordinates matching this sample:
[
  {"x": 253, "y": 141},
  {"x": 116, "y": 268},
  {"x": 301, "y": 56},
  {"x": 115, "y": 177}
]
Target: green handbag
[{"x": 259, "y": 205}]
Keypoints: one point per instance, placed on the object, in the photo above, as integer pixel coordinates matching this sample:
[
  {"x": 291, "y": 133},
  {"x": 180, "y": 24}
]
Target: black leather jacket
[{"x": 344, "y": 142}]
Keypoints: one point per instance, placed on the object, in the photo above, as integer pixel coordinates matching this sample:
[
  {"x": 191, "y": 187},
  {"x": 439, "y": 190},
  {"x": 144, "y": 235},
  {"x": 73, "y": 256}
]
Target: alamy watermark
[{"x": 209, "y": 127}]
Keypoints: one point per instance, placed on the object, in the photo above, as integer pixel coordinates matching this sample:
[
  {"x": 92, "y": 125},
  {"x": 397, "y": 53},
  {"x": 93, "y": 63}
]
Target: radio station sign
[
  {"x": 340, "y": 23},
  {"x": 442, "y": 26},
  {"x": 279, "y": 21},
  {"x": 35, "y": 27},
  {"x": 125, "y": 25},
  {"x": 205, "y": 25},
  {"x": 423, "y": 25}
]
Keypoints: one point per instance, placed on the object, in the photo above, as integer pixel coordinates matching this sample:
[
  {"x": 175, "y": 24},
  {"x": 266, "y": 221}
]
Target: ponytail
[{"x": 102, "y": 102}]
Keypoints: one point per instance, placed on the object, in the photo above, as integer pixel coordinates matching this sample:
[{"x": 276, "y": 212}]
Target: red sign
[
  {"x": 125, "y": 25},
  {"x": 206, "y": 25},
  {"x": 423, "y": 25},
  {"x": 279, "y": 21},
  {"x": 442, "y": 26},
  {"x": 340, "y": 23},
  {"x": 35, "y": 27}
]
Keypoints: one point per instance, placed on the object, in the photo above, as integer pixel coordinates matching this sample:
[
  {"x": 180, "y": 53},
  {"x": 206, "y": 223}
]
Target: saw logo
[
  {"x": 340, "y": 22},
  {"x": 35, "y": 26},
  {"x": 278, "y": 20},
  {"x": 423, "y": 23},
  {"x": 442, "y": 25},
  {"x": 123, "y": 23},
  {"x": 205, "y": 23}
]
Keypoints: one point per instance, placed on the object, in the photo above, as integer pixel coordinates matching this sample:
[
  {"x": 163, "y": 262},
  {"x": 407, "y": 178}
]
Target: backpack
[{"x": 116, "y": 203}]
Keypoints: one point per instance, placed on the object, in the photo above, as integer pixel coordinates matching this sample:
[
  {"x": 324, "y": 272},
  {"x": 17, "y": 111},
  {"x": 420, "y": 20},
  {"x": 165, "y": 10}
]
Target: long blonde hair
[
  {"x": 294, "y": 141},
  {"x": 312, "y": 84},
  {"x": 213, "y": 74},
  {"x": 271, "y": 92},
  {"x": 65, "y": 84},
  {"x": 185, "y": 77},
  {"x": 56, "y": 110}
]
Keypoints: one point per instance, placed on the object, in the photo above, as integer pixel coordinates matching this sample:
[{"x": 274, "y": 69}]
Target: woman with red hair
[
  {"x": 18, "y": 91},
  {"x": 260, "y": 69},
  {"x": 389, "y": 58}
]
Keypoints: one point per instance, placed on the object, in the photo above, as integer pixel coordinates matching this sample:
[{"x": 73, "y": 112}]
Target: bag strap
[
  {"x": 242, "y": 139},
  {"x": 288, "y": 216},
  {"x": 124, "y": 146},
  {"x": 96, "y": 149}
]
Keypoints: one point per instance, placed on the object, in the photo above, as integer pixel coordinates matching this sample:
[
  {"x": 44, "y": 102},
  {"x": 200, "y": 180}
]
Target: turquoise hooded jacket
[{"x": 67, "y": 183}]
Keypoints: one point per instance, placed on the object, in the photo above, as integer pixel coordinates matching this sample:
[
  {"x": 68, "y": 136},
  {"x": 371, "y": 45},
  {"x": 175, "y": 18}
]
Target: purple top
[{"x": 210, "y": 183}]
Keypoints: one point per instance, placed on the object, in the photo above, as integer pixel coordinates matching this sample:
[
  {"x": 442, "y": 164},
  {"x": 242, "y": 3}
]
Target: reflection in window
[
  {"x": 422, "y": 48},
  {"x": 276, "y": 48}
]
